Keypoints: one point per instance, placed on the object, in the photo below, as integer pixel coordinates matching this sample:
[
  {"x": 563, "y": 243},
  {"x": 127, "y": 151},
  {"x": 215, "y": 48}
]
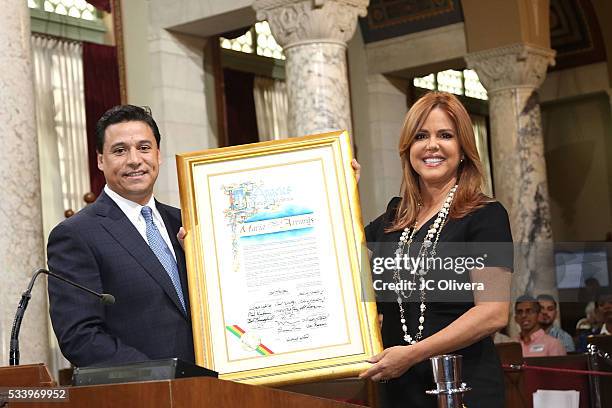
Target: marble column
[
  {"x": 21, "y": 240},
  {"x": 313, "y": 34},
  {"x": 511, "y": 76}
]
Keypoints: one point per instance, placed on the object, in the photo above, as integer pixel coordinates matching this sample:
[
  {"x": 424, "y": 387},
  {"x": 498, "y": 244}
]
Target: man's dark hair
[
  {"x": 527, "y": 299},
  {"x": 547, "y": 297},
  {"x": 124, "y": 113}
]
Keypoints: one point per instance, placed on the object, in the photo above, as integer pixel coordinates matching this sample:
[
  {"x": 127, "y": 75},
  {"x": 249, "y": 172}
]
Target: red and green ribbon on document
[{"x": 239, "y": 332}]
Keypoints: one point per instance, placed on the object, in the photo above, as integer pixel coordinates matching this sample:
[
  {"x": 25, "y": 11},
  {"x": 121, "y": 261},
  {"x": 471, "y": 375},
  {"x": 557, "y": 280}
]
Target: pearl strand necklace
[{"x": 405, "y": 240}]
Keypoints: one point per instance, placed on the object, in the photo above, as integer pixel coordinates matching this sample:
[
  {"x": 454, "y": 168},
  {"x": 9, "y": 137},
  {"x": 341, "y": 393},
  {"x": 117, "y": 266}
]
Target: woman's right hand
[
  {"x": 391, "y": 363},
  {"x": 357, "y": 168}
]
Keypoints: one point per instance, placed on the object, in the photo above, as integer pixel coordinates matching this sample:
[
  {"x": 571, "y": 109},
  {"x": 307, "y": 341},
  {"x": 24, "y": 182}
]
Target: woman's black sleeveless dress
[{"x": 484, "y": 233}]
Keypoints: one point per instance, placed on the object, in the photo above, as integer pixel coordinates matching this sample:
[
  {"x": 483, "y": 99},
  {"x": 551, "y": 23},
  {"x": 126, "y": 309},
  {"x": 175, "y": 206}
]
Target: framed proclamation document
[{"x": 279, "y": 281}]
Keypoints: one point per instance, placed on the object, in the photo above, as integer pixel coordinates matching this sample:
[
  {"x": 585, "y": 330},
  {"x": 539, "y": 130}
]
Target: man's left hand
[
  {"x": 180, "y": 235},
  {"x": 357, "y": 169}
]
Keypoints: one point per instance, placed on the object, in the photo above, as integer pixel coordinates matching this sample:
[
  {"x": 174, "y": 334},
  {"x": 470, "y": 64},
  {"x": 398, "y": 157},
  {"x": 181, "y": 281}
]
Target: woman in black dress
[{"x": 442, "y": 214}]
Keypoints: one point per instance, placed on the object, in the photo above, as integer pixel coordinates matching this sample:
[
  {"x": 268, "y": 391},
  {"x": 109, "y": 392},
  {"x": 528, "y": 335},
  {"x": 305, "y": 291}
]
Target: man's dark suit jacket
[{"x": 101, "y": 249}]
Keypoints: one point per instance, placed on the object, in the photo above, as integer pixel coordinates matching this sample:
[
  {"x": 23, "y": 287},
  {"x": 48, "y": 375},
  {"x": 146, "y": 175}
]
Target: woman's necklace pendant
[{"x": 428, "y": 248}]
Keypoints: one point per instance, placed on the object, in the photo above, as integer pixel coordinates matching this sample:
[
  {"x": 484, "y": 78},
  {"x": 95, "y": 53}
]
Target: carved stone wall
[
  {"x": 515, "y": 66},
  {"x": 303, "y": 21}
]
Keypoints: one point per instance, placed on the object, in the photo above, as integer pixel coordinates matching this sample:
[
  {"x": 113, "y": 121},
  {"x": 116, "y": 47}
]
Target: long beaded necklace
[{"x": 428, "y": 248}]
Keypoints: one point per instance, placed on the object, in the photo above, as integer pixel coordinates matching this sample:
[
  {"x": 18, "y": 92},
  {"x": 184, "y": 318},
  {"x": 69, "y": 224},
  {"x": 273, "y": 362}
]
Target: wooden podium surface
[
  {"x": 182, "y": 393},
  {"x": 35, "y": 375}
]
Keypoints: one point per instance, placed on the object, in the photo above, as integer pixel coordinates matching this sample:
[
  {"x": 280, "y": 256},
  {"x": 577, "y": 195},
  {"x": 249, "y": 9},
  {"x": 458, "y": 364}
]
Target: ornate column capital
[
  {"x": 513, "y": 66},
  {"x": 294, "y": 22}
]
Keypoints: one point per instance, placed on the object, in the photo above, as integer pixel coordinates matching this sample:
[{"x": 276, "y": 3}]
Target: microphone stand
[{"x": 23, "y": 304}]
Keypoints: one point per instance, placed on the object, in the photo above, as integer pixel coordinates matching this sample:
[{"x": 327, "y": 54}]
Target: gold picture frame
[{"x": 279, "y": 282}]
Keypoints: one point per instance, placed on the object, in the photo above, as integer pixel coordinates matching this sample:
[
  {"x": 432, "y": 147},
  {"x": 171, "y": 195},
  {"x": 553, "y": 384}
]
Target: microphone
[{"x": 105, "y": 298}]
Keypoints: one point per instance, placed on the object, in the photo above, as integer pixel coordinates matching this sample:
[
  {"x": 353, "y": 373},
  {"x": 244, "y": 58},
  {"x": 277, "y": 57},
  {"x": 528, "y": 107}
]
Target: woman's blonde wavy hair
[{"x": 469, "y": 194}]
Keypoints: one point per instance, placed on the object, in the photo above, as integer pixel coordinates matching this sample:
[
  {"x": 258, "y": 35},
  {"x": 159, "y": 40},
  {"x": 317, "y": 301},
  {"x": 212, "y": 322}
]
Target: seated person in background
[
  {"x": 604, "y": 304},
  {"x": 592, "y": 320},
  {"x": 546, "y": 319},
  {"x": 534, "y": 341},
  {"x": 591, "y": 324}
]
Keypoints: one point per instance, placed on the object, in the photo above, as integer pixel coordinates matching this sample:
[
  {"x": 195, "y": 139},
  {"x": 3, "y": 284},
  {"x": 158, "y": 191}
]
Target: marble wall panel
[
  {"x": 386, "y": 111},
  {"x": 177, "y": 143},
  {"x": 182, "y": 105},
  {"x": 573, "y": 82},
  {"x": 178, "y": 103},
  {"x": 416, "y": 50},
  {"x": 578, "y": 153},
  {"x": 174, "y": 13},
  {"x": 21, "y": 240},
  {"x": 387, "y": 134}
]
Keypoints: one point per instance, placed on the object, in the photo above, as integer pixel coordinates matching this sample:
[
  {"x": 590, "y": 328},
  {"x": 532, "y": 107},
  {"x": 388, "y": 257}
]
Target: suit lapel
[{"x": 126, "y": 235}]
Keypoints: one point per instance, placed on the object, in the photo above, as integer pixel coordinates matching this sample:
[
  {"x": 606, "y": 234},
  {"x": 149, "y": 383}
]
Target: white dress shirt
[{"x": 132, "y": 212}]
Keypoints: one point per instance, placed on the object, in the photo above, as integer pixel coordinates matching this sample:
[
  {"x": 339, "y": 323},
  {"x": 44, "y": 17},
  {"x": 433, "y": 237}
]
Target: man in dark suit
[{"x": 125, "y": 244}]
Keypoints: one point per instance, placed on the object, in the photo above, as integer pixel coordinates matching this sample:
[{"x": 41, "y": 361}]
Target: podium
[
  {"x": 32, "y": 375},
  {"x": 183, "y": 393},
  {"x": 514, "y": 381}
]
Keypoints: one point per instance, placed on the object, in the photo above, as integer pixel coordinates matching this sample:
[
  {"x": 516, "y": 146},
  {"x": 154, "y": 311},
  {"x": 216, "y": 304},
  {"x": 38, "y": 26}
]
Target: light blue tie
[{"x": 163, "y": 253}]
